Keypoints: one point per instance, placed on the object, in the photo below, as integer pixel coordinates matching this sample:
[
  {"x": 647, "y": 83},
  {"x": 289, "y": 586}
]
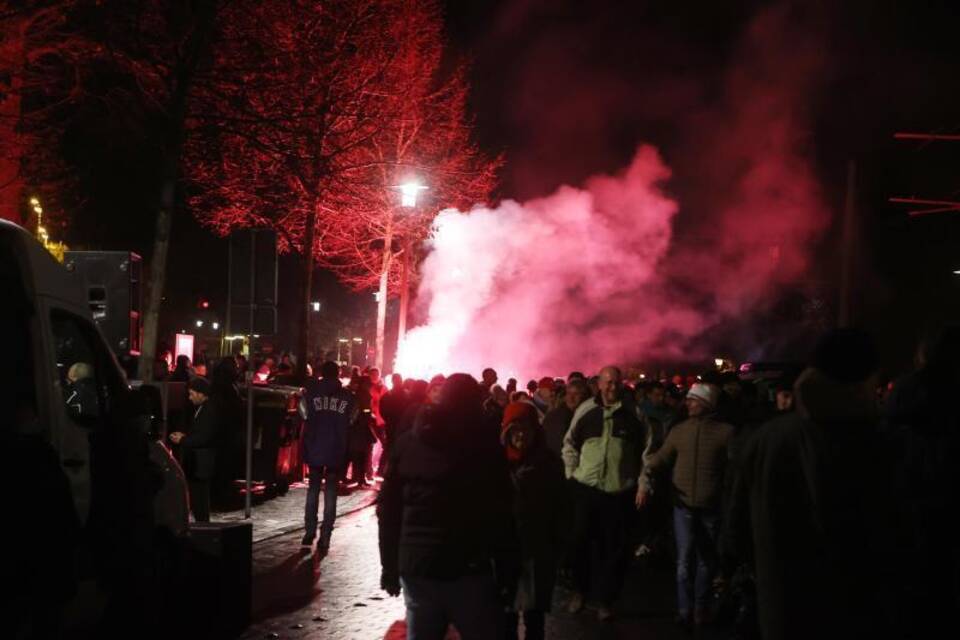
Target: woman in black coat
[
  {"x": 360, "y": 437},
  {"x": 538, "y": 497}
]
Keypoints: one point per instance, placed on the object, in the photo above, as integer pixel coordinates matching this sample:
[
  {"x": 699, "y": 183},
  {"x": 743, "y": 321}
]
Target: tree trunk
[
  {"x": 158, "y": 273},
  {"x": 182, "y": 78},
  {"x": 303, "y": 344},
  {"x": 404, "y": 294},
  {"x": 382, "y": 300}
]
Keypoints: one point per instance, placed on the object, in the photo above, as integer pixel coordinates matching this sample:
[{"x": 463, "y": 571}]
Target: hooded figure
[
  {"x": 810, "y": 502},
  {"x": 444, "y": 510},
  {"x": 924, "y": 427},
  {"x": 538, "y": 497}
]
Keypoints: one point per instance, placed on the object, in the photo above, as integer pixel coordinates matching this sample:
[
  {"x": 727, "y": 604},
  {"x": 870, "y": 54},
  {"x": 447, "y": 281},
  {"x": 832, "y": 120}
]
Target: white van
[{"x": 74, "y": 435}]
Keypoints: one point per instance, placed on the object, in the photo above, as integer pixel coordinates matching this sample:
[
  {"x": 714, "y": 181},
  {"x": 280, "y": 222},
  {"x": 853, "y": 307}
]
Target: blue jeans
[
  {"x": 471, "y": 603},
  {"x": 329, "y": 500},
  {"x": 696, "y": 534}
]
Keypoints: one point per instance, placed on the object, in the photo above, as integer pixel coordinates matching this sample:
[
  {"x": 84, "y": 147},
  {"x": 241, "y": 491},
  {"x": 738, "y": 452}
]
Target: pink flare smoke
[{"x": 549, "y": 285}]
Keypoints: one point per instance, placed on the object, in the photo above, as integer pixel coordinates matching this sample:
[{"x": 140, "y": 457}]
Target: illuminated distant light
[
  {"x": 376, "y": 296},
  {"x": 643, "y": 376},
  {"x": 256, "y": 335},
  {"x": 316, "y": 306},
  {"x": 37, "y": 208},
  {"x": 409, "y": 192},
  {"x": 956, "y": 272},
  {"x": 718, "y": 362},
  {"x": 205, "y": 304},
  {"x": 344, "y": 340},
  {"x": 199, "y": 323},
  {"x": 358, "y": 339},
  {"x": 215, "y": 325},
  {"x": 35, "y": 202}
]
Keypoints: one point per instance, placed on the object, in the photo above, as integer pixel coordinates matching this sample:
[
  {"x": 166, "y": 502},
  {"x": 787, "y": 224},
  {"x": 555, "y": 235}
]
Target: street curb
[{"x": 301, "y": 527}]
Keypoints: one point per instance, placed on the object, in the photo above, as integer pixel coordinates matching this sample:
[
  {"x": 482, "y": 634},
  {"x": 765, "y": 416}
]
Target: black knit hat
[
  {"x": 846, "y": 355},
  {"x": 200, "y": 385}
]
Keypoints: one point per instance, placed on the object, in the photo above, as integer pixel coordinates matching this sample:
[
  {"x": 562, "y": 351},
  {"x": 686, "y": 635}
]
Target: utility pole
[{"x": 848, "y": 249}]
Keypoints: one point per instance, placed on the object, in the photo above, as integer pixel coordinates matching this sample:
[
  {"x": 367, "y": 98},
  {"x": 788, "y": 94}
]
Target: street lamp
[
  {"x": 409, "y": 192},
  {"x": 199, "y": 323},
  {"x": 316, "y": 306}
]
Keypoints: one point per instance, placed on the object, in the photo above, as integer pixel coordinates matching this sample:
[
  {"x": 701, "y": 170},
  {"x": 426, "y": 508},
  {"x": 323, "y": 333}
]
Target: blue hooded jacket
[{"x": 327, "y": 409}]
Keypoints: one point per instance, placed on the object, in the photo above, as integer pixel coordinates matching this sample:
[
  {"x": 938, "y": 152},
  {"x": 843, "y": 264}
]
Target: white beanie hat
[{"x": 706, "y": 393}]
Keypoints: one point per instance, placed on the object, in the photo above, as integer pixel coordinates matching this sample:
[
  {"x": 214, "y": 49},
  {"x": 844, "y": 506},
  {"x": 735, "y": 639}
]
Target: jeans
[
  {"x": 534, "y": 625},
  {"x": 471, "y": 603},
  {"x": 358, "y": 463},
  {"x": 199, "y": 499},
  {"x": 696, "y": 534},
  {"x": 600, "y": 524},
  {"x": 329, "y": 500}
]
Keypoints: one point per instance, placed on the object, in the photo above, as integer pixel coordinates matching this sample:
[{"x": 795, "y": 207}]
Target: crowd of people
[
  {"x": 818, "y": 504},
  {"x": 814, "y": 504}
]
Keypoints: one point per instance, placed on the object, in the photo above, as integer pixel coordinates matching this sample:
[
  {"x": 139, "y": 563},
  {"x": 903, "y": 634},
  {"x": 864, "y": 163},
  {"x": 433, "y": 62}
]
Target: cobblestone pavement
[
  {"x": 299, "y": 595},
  {"x": 284, "y": 514}
]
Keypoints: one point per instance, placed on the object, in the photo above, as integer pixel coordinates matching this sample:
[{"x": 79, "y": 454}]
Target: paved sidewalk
[
  {"x": 284, "y": 514},
  {"x": 298, "y": 595}
]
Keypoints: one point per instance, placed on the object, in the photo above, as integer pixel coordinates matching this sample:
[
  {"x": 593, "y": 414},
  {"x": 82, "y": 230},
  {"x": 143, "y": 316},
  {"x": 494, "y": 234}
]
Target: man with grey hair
[
  {"x": 603, "y": 455},
  {"x": 80, "y": 392},
  {"x": 557, "y": 420}
]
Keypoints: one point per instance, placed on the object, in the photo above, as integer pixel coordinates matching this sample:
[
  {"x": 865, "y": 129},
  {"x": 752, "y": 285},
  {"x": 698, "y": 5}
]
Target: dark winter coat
[
  {"x": 361, "y": 434},
  {"x": 810, "y": 508},
  {"x": 392, "y": 407},
  {"x": 327, "y": 409},
  {"x": 555, "y": 425},
  {"x": 537, "y": 507},
  {"x": 445, "y": 504},
  {"x": 200, "y": 445},
  {"x": 923, "y": 426},
  {"x": 696, "y": 451}
]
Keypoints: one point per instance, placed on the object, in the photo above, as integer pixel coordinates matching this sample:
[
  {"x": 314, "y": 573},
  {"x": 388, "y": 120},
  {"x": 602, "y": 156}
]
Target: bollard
[{"x": 249, "y": 460}]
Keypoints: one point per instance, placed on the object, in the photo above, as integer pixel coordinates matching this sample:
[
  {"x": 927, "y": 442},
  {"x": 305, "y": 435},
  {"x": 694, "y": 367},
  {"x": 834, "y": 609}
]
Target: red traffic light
[{"x": 204, "y": 304}]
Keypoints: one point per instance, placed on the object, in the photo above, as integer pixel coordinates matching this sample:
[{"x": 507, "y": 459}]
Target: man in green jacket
[
  {"x": 697, "y": 452},
  {"x": 603, "y": 457}
]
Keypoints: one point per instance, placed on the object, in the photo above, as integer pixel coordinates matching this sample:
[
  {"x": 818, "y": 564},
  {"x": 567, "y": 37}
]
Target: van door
[{"x": 85, "y": 387}]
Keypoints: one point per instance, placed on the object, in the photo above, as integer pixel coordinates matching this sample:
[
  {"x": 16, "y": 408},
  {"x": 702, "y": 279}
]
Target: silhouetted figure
[
  {"x": 537, "y": 507},
  {"x": 445, "y": 519},
  {"x": 924, "y": 424},
  {"x": 200, "y": 447},
  {"x": 811, "y": 504}
]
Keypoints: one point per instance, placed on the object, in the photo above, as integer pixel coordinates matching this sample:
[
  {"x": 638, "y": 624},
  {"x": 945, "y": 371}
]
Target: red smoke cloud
[{"x": 619, "y": 271}]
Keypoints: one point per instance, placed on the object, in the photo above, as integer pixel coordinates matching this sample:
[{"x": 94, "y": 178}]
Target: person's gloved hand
[{"x": 390, "y": 583}]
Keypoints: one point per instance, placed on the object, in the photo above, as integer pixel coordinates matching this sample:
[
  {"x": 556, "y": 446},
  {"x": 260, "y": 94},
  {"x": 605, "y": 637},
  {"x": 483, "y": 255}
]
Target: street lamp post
[
  {"x": 408, "y": 199},
  {"x": 409, "y": 193}
]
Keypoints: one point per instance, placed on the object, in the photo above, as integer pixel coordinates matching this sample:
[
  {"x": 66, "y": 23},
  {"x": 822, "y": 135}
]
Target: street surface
[{"x": 299, "y": 595}]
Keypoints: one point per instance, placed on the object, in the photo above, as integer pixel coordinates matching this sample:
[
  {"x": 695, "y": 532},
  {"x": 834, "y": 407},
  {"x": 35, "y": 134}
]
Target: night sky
[{"x": 567, "y": 89}]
